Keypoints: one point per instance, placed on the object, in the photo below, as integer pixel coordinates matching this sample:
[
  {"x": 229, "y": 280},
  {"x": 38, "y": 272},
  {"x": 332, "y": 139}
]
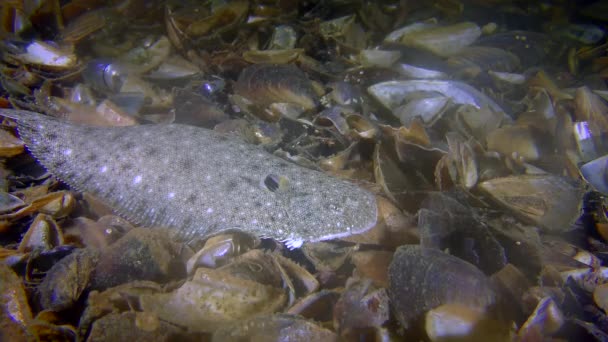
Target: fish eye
[{"x": 273, "y": 182}]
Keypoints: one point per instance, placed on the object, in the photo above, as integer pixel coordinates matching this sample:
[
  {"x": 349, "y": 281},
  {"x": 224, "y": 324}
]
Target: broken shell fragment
[
  {"x": 10, "y": 145},
  {"x": 173, "y": 68},
  {"x": 600, "y": 296},
  {"x": 15, "y": 312},
  {"x": 596, "y": 173},
  {"x": 361, "y": 126},
  {"x": 475, "y": 59},
  {"x": 133, "y": 326},
  {"x": 318, "y": 305},
  {"x": 392, "y": 94},
  {"x": 10, "y": 202},
  {"x": 278, "y": 327},
  {"x": 14, "y": 304},
  {"x": 463, "y": 159},
  {"x": 284, "y": 37},
  {"x": 149, "y": 55},
  {"x": 459, "y": 322},
  {"x": 442, "y": 40},
  {"x": 514, "y": 139},
  {"x": 256, "y": 266},
  {"x": 591, "y": 108},
  {"x": 361, "y": 305},
  {"x": 507, "y": 79},
  {"x": 299, "y": 280},
  {"x": 212, "y": 298},
  {"x": 326, "y": 256},
  {"x": 389, "y": 175},
  {"x": 415, "y": 72},
  {"x": 547, "y": 318},
  {"x": 428, "y": 109},
  {"x": 542, "y": 81},
  {"x": 373, "y": 265},
  {"x": 272, "y": 56},
  {"x": 585, "y": 140},
  {"x": 219, "y": 249},
  {"x": 378, "y": 58},
  {"x": 49, "y": 55}
]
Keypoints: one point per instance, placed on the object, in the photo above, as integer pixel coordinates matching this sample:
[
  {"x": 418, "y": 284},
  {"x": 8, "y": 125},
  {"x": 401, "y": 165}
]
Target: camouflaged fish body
[{"x": 197, "y": 180}]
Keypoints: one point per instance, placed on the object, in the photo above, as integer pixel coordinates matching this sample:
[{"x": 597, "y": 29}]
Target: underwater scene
[{"x": 293, "y": 170}]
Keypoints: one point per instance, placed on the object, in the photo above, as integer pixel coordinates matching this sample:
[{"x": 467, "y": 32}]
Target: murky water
[{"x": 478, "y": 126}]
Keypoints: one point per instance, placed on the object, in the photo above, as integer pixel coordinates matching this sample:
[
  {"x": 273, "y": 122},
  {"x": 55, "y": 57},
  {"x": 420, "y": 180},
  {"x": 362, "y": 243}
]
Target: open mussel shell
[
  {"x": 203, "y": 24},
  {"x": 550, "y": 201},
  {"x": 421, "y": 279}
]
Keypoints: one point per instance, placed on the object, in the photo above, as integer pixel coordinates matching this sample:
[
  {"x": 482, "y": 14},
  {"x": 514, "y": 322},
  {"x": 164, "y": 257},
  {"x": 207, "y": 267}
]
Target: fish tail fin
[
  {"x": 35, "y": 129},
  {"x": 26, "y": 117}
]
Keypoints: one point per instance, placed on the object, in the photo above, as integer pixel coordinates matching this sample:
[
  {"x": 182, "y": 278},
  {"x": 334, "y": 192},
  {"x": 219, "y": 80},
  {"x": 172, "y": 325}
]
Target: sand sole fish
[{"x": 196, "y": 180}]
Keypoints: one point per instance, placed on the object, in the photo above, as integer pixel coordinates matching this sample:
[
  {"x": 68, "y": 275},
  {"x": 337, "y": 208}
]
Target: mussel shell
[
  {"x": 531, "y": 47},
  {"x": 550, "y": 201},
  {"x": 104, "y": 75},
  {"x": 265, "y": 84},
  {"x": 440, "y": 40},
  {"x": 421, "y": 279},
  {"x": 596, "y": 173}
]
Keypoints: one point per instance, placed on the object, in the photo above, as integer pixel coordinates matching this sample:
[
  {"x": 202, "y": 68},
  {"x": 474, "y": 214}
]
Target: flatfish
[{"x": 196, "y": 180}]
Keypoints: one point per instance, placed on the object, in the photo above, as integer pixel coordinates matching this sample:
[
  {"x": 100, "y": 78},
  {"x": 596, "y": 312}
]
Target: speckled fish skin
[{"x": 196, "y": 180}]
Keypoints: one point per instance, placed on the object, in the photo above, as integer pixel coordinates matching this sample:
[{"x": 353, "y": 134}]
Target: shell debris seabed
[{"x": 158, "y": 175}]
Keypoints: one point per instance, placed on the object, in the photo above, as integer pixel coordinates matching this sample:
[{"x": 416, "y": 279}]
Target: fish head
[{"x": 318, "y": 207}]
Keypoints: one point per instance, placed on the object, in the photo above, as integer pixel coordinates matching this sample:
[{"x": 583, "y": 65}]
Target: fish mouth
[{"x": 371, "y": 224}]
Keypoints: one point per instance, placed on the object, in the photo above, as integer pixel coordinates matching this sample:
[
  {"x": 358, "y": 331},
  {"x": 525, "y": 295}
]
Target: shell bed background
[{"x": 480, "y": 127}]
